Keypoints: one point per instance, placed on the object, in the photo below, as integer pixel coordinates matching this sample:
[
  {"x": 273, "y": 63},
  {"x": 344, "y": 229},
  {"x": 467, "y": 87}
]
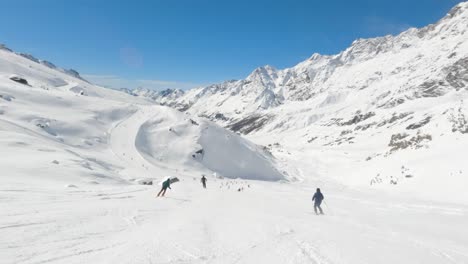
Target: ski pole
[{"x": 325, "y": 203}]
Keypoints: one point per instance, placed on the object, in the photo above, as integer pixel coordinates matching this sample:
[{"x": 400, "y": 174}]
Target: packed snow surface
[{"x": 81, "y": 165}]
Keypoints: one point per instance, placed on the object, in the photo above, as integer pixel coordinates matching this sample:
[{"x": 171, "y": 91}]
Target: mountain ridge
[{"x": 267, "y": 87}]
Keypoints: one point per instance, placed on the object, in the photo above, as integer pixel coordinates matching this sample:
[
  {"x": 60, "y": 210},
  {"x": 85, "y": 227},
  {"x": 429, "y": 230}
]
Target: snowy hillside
[
  {"x": 75, "y": 116},
  {"x": 395, "y": 105},
  {"x": 381, "y": 128}
]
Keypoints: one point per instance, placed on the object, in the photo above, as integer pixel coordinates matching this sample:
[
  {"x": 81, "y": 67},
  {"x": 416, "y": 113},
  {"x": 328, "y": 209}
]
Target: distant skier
[
  {"x": 166, "y": 184},
  {"x": 318, "y": 198},
  {"x": 203, "y": 181}
]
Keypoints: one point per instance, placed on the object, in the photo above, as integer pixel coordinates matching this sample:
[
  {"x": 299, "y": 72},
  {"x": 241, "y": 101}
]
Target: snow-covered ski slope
[
  {"x": 266, "y": 223},
  {"x": 71, "y": 163},
  {"x": 74, "y": 157},
  {"x": 389, "y": 112}
]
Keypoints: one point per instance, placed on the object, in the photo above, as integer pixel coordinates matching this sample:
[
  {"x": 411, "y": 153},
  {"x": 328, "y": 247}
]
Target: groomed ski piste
[{"x": 75, "y": 158}]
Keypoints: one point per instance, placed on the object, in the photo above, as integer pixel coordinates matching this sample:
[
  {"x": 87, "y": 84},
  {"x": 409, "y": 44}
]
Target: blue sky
[{"x": 186, "y": 43}]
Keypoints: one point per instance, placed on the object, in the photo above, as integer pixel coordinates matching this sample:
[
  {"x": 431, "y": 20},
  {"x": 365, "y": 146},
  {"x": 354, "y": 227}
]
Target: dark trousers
[
  {"x": 162, "y": 192},
  {"x": 317, "y": 205},
  {"x": 204, "y": 184}
]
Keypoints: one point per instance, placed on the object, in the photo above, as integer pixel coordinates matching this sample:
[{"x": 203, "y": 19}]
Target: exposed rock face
[
  {"x": 19, "y": 80},
  {"x": 403, "y": 141},
  {"x": 252, "y": 123},
  {"x": 459, "y": 121},
  {"x": 3, "y": 47},
  {"x": 29, "y": 57},
  {"x": 420, "y": 124}
]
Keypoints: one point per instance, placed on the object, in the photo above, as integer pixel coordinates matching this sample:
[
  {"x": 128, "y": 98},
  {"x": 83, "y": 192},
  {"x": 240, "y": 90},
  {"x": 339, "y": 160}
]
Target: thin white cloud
[
  {"x": 116, "y": 82},
  {"x": 382, "y": 26},
  {"x": 160, "y": 84}
]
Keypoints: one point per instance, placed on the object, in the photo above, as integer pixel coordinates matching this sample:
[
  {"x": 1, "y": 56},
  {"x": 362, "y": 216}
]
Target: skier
[
  {"x": 203, "y": 180},
  {"x": 318, "y": 198},
  {"x": 166, "y": 184}
]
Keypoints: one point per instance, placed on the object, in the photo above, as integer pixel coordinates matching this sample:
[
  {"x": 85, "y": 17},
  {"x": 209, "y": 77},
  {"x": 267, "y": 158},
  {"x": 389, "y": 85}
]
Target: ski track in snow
[{"x": 123, "y": 137}]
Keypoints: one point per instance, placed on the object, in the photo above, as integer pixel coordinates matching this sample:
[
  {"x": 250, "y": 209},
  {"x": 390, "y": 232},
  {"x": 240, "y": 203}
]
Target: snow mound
[
  {"x": 234, "y": 157},
  {"x": 171, "y": 139}
]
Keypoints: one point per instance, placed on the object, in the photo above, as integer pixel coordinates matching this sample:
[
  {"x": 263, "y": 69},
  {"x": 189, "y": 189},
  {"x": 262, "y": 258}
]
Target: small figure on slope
[
  {"x": 203, "y": 181},
  {"x": 166, "y": 184},
  {"x": 317, "y": 199}
]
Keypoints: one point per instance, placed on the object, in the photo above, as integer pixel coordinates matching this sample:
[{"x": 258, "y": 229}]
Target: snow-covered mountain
[
  {"x": 386, "y": 103},
  {"x": 163, "y": 97},
  {"x": 418, "y": 63},
  {"x": 48, "y": 64}
]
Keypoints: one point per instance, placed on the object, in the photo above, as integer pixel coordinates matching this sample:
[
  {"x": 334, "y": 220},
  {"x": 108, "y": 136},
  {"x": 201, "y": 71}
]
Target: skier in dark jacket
[
  {"x": 203, "y": 180},
  {"x": 166, "y": 184},
  {"x": 318, "y": 198}
]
